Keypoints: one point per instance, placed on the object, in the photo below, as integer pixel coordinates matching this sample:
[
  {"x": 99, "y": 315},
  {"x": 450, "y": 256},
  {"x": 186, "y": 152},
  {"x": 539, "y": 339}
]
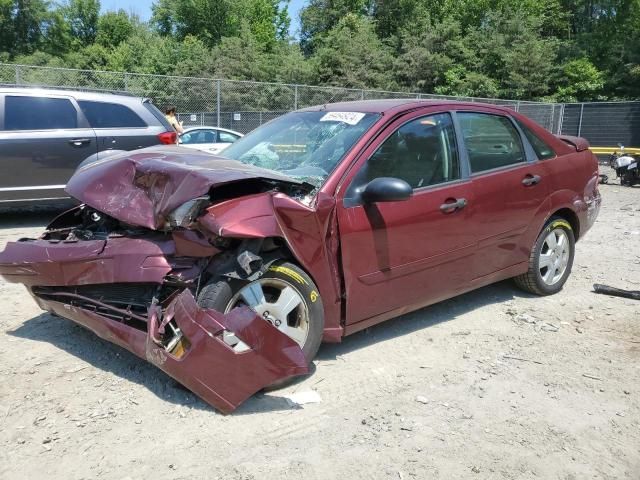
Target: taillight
[{"x": 168, "y": 138}]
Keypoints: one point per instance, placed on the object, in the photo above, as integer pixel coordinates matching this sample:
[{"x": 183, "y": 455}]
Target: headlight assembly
[{"x": 185, "y": 214}]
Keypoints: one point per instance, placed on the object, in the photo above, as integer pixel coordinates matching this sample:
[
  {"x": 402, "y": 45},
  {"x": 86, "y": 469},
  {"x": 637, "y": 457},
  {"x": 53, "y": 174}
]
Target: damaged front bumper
[{"x": 173, "y": 332}]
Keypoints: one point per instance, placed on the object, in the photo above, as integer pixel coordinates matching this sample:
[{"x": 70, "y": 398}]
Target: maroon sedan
[{"x": 228, "y": 273}]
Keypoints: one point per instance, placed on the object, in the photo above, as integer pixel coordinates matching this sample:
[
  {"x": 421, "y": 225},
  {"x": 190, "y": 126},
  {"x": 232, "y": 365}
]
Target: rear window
[
  {"x": 158, "y": 114},
  {"x": 110, "y": 115},
  {"x": 542, "y": 149},
  {"x": 39, "y": 113}
]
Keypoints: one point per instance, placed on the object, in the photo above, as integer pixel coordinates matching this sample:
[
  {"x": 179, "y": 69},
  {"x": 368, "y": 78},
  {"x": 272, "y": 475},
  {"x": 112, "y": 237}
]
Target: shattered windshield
[{"x": 303, "y": 145}]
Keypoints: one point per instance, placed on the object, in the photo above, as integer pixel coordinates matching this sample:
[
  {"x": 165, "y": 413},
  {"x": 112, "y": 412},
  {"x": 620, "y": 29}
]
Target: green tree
[
  {"x": 352, "y": 55},
  {"x": 458, "y": 81},
  {"x": 393, "y": 16},
  {"x": 58, "y": 38},
  {"x": 91, "y": 57},
  {"x": 208, "y": 20},
  {"x": 114, "y": 28},
  {"x": 266, "y": 20},
  {"x": 320, "y": 16},
  {"x": 581, "y": 81},
  {"x": 428, "y": 51},
  {"x": 22, "y": 25},
  {"x": 82, "y": 17},
  {"x": 240, "y": 58},
  {"x": 509, "y": 48},
  {"x": 211, "y": 20}
]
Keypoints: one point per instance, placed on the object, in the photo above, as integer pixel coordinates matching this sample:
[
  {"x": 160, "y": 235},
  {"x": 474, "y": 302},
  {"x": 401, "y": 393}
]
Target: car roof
[
  {"x": 393, "y": 105},
  {"x": 77, "y": 94},
  {"x": 200, "y": 127}
]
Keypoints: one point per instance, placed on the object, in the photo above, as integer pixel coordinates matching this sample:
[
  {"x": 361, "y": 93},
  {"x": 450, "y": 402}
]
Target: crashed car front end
[{"x": 129, "y": 262}]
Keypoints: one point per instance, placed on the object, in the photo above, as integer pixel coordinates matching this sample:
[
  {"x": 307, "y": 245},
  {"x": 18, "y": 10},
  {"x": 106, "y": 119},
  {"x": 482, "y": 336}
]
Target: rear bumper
[
  {"x": 198, "y": 358},
  {"x": 590, "y": 213}
]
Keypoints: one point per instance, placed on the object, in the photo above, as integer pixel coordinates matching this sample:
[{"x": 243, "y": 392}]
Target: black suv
[{"x": 45, "y": 134}]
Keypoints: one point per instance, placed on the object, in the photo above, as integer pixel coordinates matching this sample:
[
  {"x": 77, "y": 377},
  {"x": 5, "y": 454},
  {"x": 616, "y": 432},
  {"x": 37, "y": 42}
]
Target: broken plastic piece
[
  {"x": 302, "y": 398},
  {"x": 199, "y": 359}
]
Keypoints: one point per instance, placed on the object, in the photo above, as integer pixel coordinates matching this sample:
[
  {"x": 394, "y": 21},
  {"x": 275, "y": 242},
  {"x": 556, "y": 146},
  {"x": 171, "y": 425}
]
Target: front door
[
  {"x": 400, "y": 256},
  {"x": 41, "y": 144}
]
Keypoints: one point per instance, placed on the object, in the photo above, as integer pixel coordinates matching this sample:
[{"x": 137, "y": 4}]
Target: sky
[{"x": 143, "y": 9}]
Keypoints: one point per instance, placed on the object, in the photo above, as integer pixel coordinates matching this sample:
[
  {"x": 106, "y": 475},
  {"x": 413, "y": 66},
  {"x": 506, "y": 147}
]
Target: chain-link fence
[
  {"x": 604, "y": 124},
  {"x": 238, "y": 105}
]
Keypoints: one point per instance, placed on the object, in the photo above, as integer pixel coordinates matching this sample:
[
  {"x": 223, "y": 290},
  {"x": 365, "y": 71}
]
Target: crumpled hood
[{"x": 143, "y": 186}]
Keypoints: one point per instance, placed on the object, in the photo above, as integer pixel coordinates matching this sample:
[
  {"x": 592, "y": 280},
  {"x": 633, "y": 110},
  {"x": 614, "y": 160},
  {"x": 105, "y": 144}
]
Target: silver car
[{"x": 45, "y": 134}]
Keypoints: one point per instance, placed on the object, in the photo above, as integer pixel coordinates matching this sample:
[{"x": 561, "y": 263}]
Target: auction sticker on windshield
[{"x": 352, "y": 118}]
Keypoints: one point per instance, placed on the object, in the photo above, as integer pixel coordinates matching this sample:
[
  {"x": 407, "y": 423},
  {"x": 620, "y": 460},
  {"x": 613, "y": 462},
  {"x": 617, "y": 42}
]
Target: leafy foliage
[{"x": 565, "y": 50}]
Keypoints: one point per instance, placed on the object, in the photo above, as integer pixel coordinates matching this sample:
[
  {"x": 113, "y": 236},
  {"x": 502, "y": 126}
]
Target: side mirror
[{"x": 386, "y": 189}]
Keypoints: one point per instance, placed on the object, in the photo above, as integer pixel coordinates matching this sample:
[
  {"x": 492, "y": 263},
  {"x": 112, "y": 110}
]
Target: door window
[
  {"x": 110, "y": 115},
  {"x": 422, "y": 152},
  {"x": 39, "y": 113},
  {"x": 491, "y": 140},
  {"x": 198, "y": 136},
  {"x": 226, "y": 137}
]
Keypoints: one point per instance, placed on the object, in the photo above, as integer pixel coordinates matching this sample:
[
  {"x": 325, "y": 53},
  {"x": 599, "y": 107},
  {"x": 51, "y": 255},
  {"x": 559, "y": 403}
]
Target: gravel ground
[{"x": 492, "y": 384}]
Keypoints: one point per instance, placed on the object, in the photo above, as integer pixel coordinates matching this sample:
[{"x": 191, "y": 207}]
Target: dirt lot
[{"x": 493, "y": 384}]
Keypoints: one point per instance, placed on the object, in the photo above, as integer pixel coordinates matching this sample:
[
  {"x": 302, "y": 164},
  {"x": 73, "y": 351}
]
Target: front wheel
[
  {"x": 284, "y": 296},
  {"x": 551, "y": 259}
]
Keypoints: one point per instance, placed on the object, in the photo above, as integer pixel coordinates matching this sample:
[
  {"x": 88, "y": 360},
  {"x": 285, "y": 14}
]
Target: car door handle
[
  {"x": 531, "y": 180},
  {"x": 79, "y": 142},
  {"x": 455, "y": 204}
]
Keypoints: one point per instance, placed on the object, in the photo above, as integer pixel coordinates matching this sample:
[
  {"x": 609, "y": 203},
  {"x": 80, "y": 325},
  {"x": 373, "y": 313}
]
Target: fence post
[
  {"x": 126, "y": 82},
  {"x": 580, "y": 120},
  {"x": 217, "y": 103},
  {"x": 561, "y": 119},
  {"x": 362, "y": 94},
  {"x": 295, "y": 97},
  {"x": 518, "y": 106},
  {"x": 17, "y": 75}
]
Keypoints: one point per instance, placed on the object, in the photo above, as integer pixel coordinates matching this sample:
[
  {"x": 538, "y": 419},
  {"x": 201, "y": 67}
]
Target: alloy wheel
[
  {"x": 279, "y": 303},
  {"x": 554, "y": 256}
]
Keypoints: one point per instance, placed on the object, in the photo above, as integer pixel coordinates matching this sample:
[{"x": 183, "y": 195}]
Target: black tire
[
  {"x": 220, "y": 291},
  {"x": 532, "y": 280}
]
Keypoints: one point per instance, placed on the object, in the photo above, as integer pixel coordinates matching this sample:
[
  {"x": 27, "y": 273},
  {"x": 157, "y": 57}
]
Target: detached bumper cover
[
  {"x": 208, "y": 366},
  {"x": 43, "y": 262},
  {"x": 204, "y": 363}
]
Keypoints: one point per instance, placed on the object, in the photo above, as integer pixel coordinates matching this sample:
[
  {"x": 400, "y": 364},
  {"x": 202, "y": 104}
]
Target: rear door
[
  {"x": 224, "y": 140},
  {"x": 510, "y": 187},
  {"x": 119, "y": 126},
  {"x": 42, "y": 140},
  {"x": 399, "y": 256},
  {"x": 204, "y": 139}
]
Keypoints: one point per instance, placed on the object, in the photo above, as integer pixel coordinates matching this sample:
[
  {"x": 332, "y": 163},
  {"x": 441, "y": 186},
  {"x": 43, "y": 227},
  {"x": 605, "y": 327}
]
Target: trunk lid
[{"x": 579, "y": 143}]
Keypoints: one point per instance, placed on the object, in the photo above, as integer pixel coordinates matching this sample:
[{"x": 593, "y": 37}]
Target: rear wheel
[
  {"x": 284, "y": 296},
  {"x": 551, "y": 259}
]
